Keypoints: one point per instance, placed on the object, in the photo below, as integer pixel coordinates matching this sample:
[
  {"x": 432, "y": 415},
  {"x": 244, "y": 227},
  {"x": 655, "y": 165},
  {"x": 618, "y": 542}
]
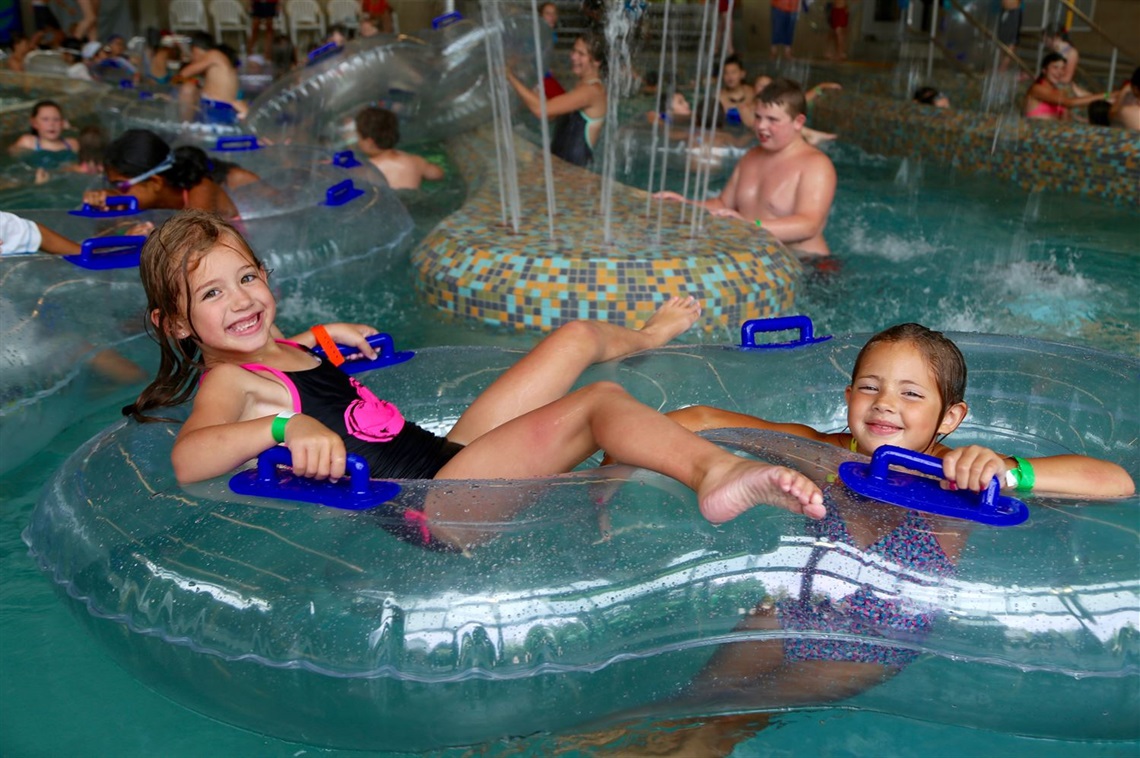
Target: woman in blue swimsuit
[
  {"x": 46, "y": 132},
  {"x": 582, "y": 109}
]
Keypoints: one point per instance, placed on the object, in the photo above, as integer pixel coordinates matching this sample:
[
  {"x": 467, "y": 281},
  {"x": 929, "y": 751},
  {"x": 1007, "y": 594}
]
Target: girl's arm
[
  {"x": 1047, "y": 94},
  {"x": 697, "y": 418},
  {"x": 576, "y": 99},
  {"x": 353, "y": 335},
  {"x": 53, "y": 242},
  {"x": 215, "y": 439},
  {"x": 1118, "y": 100},
  {"x": 973, "y": 467}
]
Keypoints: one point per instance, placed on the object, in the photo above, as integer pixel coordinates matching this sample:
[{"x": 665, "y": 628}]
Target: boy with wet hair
[
  {"x": 784, "y": 185},
  {"x": 378, "y": 131}
]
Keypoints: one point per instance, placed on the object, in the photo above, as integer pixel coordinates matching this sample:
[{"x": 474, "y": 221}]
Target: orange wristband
[{"x": 332, "y": 352}]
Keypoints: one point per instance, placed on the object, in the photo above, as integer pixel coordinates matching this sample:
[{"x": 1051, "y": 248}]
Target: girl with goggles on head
[{"x": 141, "y": 164}]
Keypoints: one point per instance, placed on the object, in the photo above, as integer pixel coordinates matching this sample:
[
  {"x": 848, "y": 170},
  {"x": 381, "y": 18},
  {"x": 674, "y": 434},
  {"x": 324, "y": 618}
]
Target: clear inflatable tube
[
  {"x": 605, "y": 599},
  {"x": 65, "y": 328},
  {"x": 436, "y": 82}
]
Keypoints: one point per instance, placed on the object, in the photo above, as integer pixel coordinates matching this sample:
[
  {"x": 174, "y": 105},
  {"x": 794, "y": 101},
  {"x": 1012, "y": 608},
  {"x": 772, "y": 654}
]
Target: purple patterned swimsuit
[{"x": 865, "y": 612}]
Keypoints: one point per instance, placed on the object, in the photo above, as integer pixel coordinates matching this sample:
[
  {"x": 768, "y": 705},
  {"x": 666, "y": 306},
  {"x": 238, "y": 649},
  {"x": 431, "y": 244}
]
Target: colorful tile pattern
[
  {"x": 476, "y": 267},
  {"x": 1100, "y": 162}
]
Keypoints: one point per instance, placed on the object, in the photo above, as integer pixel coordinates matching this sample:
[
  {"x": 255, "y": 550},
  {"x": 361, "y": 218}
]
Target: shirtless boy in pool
[
  {"x": 219, "y": 79},
  {"x": 785, "y": 185}
]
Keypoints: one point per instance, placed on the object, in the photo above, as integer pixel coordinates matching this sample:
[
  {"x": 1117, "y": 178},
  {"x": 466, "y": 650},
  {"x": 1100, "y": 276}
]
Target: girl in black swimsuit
[{"x": 212, "y": 309}]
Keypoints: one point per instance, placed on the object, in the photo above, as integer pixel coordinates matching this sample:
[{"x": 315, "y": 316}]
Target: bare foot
[
  {"x": 729, "y": 491},
  {"x": 671, "y": 319}
]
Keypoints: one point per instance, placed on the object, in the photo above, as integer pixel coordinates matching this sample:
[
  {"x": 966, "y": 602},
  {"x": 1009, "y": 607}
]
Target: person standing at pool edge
[{"x": 785, "y": 185}]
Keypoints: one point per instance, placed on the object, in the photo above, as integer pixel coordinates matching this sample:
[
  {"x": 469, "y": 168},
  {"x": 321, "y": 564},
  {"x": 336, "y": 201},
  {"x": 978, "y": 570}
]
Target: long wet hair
[
  {"x": 137, "y": 151},
  {"x": 170, "y": 254},
  {"x": 945, "y": 359},
  {"x": 596, "y": 47}
]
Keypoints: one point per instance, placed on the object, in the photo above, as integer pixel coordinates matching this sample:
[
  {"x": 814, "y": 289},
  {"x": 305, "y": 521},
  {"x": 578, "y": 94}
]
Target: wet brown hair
[
  {"x": 170, "y": 254},
  {"x": 945, "y": 359},
  {"x": 379, "y": 125},
  {"x": 785, "y": 93}
]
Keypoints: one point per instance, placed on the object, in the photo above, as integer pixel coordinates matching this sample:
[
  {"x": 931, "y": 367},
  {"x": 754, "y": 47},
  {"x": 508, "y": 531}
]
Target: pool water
[{"x": 910, "y": 243}]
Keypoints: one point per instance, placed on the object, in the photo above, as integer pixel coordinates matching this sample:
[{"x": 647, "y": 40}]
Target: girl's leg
[
  {"x": 556, "y": 437},
  {"x": 548, "y": 371}
]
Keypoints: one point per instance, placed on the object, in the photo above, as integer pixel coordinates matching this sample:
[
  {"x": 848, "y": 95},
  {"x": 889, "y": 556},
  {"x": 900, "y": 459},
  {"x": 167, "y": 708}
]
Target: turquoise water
[
  {"x": 910, "y": 244},
  {"x": 965, "y": 253}
]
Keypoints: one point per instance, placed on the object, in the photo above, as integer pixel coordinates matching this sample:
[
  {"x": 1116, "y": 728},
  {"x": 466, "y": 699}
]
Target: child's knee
[
  {"x": 580, "y": 331},
  {"x": 694, "y": 417}
]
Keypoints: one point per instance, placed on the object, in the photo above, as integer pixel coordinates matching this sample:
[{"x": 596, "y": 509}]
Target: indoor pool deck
[{"x": 473, "y": 266}]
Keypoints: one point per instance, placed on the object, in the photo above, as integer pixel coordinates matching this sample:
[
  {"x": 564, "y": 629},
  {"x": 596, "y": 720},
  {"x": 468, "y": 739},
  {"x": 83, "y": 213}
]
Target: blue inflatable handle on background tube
[
  {"x": 341, "y": 193},
  {"x": 446, "y": 19},
  {"x": 322, "y": 52},
  {"x": 752, "y": 327},
  {"x": 237, "y": 142},
  {"x": 876, "y": 480},
  {"x": 386, "y": 355},
  {"x": 345, "y": 159},
  {"x": 125, "y": 253},
  {"x": 117, "y": 205},
  {"x": 356, "y": 492}
]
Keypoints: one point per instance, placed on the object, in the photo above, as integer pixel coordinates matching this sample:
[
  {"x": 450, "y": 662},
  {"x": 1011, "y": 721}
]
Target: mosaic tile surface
[
  {"x": 475, "y": 266},
  {"x": 1100, "y": 162}
]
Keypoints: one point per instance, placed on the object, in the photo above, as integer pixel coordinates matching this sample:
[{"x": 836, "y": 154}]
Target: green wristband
[
  {"x": 278, "y": 428},
  {"x": 1024, "y": 475},
  {"x": 758, "y": 224}
]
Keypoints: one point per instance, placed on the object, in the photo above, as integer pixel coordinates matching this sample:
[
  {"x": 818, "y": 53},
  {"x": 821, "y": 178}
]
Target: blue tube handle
[
  {"x": 91, "y": 245},
  {"x": 386, "y": 354},
  {"x": 321, "y": 52},
  {"x": 116, "y": 205},
  {"x": 124, "y": 252},
  {"x": 345, "y": 159},
  {"x": 268, "y": 462},
  {"x": 889, "y": 455},
  {"x": 237, "y": 142},
  {"x": 446, "y": 19},
  {"x": 342, "y": 192},
  {"x": 752, "y": 327}
]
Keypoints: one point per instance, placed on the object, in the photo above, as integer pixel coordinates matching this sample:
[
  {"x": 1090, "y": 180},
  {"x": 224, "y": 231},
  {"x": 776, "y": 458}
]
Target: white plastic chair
[
  {"x": 188, "y": 16},
  {"x": 345, "y": 13},
  {"x": 304, "y": 15},
  {"x": 228, "y": 16}
]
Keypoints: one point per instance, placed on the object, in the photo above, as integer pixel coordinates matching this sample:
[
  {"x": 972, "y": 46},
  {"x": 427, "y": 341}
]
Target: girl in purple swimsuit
[
  {"x": 211, "y": 309},
  {"x": 907, "y": 389}
]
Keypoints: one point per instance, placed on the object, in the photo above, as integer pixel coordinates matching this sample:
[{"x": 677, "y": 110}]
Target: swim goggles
[{"x": 126, "y": 184}]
